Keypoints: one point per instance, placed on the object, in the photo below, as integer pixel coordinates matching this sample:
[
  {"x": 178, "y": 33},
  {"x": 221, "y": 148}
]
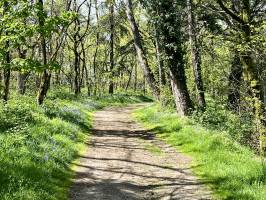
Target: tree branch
[{"x": 229, "y": 12}]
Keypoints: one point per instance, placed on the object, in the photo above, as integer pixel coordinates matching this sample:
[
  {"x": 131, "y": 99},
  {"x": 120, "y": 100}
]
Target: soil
[{"x": 124, "y": 161}]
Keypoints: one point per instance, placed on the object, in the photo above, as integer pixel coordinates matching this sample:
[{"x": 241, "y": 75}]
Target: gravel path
[{"x": 126, "y": 162}]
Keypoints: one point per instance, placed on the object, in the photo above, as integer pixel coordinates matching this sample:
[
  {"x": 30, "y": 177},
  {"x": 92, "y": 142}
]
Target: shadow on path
[{"x": 119, "y": 166}]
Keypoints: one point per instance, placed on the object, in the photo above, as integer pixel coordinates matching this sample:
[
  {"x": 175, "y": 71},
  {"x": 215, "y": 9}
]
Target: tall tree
[
  {"x": 171, "y": 36},
  {"x": 112, "y": 33},
  {"x": 46, "y": 75},
  {"x": 195, "y": 53},
  {"x": 244, "y": 15},
  {"x": 159, "y": 57},
  {"x": 96, "y": 48},
  {"x": 77, "y": 37},
  {"x": 7, "y": 70},
  {"x": 245, "y": 19},
  {"x": 143, "y": 61}
]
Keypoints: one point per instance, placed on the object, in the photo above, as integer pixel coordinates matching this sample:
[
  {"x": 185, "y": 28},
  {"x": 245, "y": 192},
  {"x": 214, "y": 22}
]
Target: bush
[{"x": 218, "y": 117}]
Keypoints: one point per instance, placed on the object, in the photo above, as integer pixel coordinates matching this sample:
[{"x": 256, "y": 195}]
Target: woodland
[{"x": 200, "y": 65}]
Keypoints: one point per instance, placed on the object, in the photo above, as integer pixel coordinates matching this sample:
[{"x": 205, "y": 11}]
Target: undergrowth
[
  {"x": 232, "y": 171},
  {"x": 39, "y": 143}
]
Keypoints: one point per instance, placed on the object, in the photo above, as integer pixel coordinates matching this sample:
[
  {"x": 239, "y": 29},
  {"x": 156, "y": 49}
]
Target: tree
[
  {"x": 112, "y": 33},
  {"x": 46, "y": 75},
  {"x": 195, "y": 53},
  {"x": 7, "y": 71},
  {"x": 149, "y": 76},
  {"x": 77, "y": 37},
  {"x": 168, "y": 18},
  {"x": 244, "y": 15},
  {"x": 22, "y": 76}
]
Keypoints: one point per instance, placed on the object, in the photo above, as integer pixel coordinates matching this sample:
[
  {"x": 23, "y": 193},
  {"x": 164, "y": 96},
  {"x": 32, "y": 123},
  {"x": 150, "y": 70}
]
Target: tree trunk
[
  {"x": 252, "y": 76},
  {"x": 173, "y": 48},
  {"x": 7, "y": 74},
  {"x": 162, "y": 78},
  {"x": 112, "y": 30},
  {"x": 179, "y": 88},
  {"x": 46, "y": 76},
  {"x": 57, "y": 78},
  {"x": 235, "y": 83},
  {"x": 196, "y": 55},
  {"x": 149, "y": 76},
  {"x": 130, "y": 77},
  {"x": 22, "y": 77},
  {"x": 7, "y": 71},
  {"x": 87, "y": 75},
  {"x": 136, "y": 78},
  {"x": 96, "y": 51},
  {"x": 76, "y": 69}
]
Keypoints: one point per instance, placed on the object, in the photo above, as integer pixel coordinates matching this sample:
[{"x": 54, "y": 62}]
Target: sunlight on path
[{"x": 120, "y": 164}]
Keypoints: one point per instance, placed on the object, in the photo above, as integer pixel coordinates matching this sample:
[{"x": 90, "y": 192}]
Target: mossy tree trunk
[
  {"x": 245, "y": 20},
  {"x": 173, "y": 48}
]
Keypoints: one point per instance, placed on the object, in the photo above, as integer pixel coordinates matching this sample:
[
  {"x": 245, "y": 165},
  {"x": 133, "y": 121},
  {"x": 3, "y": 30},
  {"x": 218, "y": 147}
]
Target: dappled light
[{"x": 132, "y": 99}]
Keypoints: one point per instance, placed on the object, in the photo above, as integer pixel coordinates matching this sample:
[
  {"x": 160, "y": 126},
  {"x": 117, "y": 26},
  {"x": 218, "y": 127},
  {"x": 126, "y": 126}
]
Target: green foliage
[
  {"x": 38, "y": 144},
  {"x": 217, "y": 117},
  {"x": 37, "y": 149},
  {"x": 231, "y": 170},
  {"x": 19, "y": 30},
  {"x": 167, "y": 98},
  {"x": 121, "y": 99}
]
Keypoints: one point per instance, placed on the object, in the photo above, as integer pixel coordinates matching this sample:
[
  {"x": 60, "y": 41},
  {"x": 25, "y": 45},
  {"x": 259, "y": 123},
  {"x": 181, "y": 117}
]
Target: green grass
[
  {"x": 38, "y": 144},
  {"x": 232, "y": 171}
]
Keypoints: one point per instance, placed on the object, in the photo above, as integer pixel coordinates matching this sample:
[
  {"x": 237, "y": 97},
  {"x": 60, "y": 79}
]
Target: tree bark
[
  {"x": 250, "y": 69},
  {"x": 112, "y": 30},
  {"x": 162, "y": 78},
  {"x": 87, "y": 75},
  {"x": 22, "y": 76},
  {"x": 7, "y": 71},
  {"x": 7, "y": 74},
  {"x": 76, "y": 69},
  {"x": 46, "y": 75},
  {"x": 196, "y": 54},
  {"x": 149, "y": 76},
  {"x": 96, "y": 51},
  {"x": 173, "y": 48},
  {"x": 130, "y": 77},
  {"x": 136, "y": 78},
  {"x": 179, "y": 88}
]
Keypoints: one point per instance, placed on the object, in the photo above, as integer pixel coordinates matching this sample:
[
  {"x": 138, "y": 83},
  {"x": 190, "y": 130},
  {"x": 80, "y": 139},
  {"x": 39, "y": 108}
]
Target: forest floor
[{"x": 125, "y": 161}]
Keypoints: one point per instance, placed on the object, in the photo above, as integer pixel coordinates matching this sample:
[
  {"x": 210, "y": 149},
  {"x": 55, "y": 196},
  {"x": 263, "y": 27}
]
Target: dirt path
[{"x": 125, "y": 162}]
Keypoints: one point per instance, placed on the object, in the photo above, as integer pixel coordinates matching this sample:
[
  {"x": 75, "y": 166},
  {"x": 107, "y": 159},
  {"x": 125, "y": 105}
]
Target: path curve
[{"x": 122, "y": 163}]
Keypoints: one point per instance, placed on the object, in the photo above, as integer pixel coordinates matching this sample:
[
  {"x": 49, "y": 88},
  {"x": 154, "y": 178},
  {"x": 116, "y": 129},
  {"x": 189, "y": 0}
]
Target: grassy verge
[
  {"x": 38, "y": 144},
  {"x": 232, "y": 171}
]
